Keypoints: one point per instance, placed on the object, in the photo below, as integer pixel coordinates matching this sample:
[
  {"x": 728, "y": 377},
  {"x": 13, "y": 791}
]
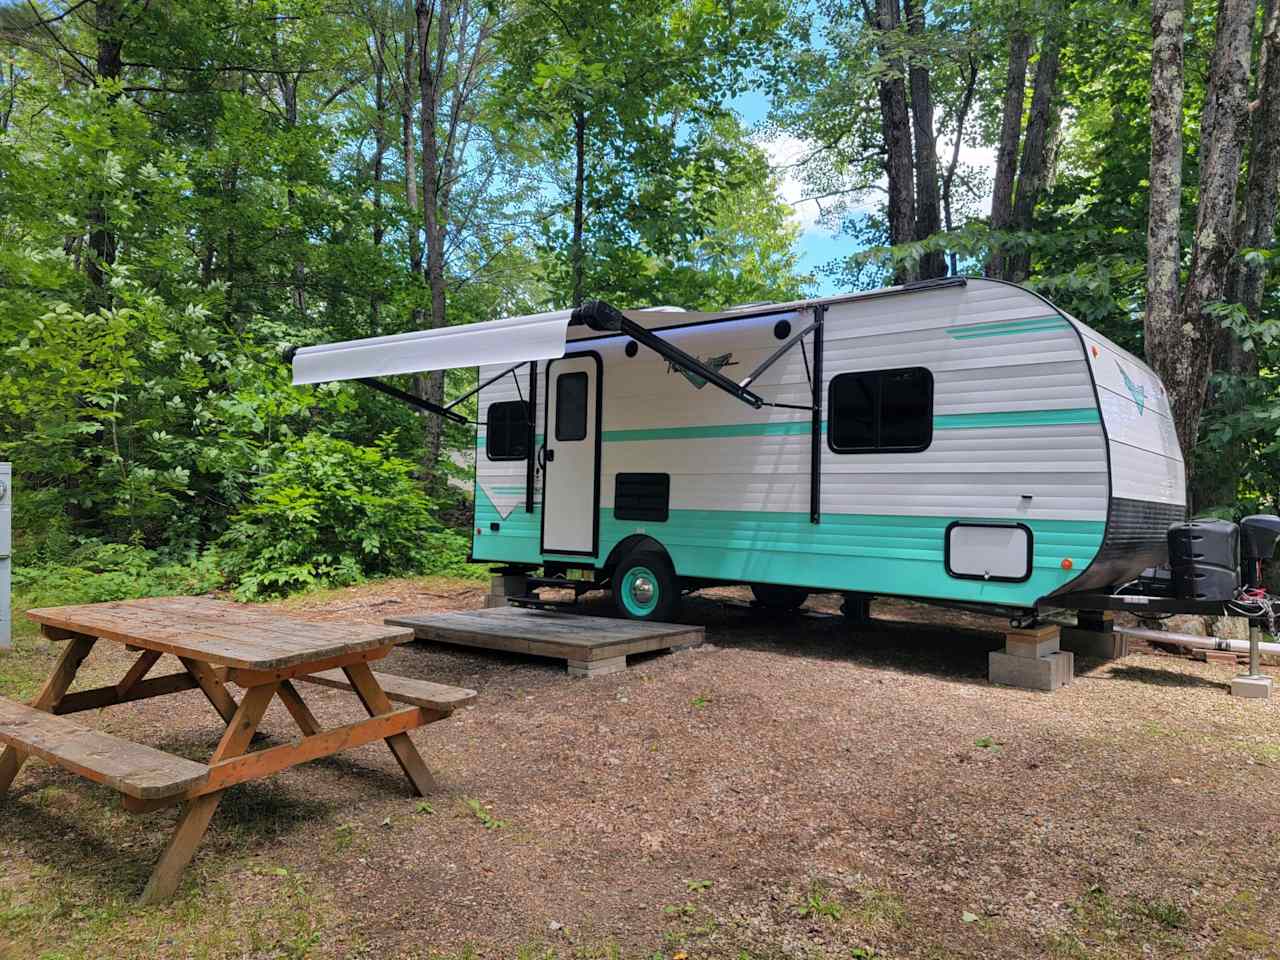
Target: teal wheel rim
[{"x": 640, "y": 591}]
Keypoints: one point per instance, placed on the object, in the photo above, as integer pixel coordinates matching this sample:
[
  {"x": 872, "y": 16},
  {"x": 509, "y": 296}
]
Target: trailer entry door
[{"x": 570, "y": 456}]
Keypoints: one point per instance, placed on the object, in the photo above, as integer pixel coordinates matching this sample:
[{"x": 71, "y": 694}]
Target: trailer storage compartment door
[{"x": 979, "y": 551}]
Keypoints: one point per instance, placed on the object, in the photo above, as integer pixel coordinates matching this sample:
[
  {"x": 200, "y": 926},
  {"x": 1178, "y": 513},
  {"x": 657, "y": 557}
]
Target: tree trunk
[
  {"x": 1163, "y": 322},
  {"x": 102, "y": 242},
  {"x": 1262, "y": 193},
  {"x": 948, "y": 179},
  {"x": 896, "y": 126},
  {"x": 1039, "y": 143},
  {"x": 928, "y": 202},
  {"x": 1015, "y": 93},
  {"x": 1188, "y": 356},
  {"x": 579, "y": 185},
  {"x": 379, "y": 154},
  {"x": 431, "y": 62}
]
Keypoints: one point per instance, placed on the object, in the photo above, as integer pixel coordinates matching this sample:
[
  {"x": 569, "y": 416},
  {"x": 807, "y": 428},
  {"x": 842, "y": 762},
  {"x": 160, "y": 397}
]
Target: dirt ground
[{"x": 794, "y": 788}]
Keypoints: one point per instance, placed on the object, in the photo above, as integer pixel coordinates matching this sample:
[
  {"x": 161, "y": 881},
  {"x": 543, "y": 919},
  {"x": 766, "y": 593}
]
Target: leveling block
[
  {"x": 1032, "y": 659},
  {"x": 591, "y": 646}
]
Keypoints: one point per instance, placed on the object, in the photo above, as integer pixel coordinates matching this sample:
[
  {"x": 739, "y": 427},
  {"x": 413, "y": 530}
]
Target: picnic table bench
[{"x": 218, "y": 644}]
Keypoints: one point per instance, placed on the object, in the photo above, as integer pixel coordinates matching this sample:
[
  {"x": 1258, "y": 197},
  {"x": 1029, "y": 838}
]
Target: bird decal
[
  {"x": 715, "y": 363},
  {"x": 1136, "y": 390}
]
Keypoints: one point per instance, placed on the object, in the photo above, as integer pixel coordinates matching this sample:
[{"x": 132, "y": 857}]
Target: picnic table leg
[
  {"x": 298, "y": 709},
  {"x": 375, "y": 701},
  {"x": 197, "y": 813},
  {"x": 212, "y": 687},
  {"x": 12, "y": 759}
]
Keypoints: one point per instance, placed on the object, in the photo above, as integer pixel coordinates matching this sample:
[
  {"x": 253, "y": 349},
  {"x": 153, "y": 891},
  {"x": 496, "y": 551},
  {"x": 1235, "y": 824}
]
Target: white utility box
[{"x": 6, "y": 549}]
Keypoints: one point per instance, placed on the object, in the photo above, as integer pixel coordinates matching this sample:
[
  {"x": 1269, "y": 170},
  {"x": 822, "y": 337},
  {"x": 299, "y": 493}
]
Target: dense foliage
[{"x": 186, "y": 189}]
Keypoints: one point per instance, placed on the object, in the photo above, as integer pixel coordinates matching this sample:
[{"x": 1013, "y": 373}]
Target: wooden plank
[
  {"x": 100, "y": 697},
  {"x": 139, "y": 670},
  {"x": 133, "y": 769},
  {"x": 212, "y": 687},
  {"x": 255, "y": 678},
  {"x": 64, "y": 673},
  {"x": 218, "y": 632},
  {"x": 376, "y": 703},
  {"x": 419, "y": 693},
  {"x": 263, "y": 763}
]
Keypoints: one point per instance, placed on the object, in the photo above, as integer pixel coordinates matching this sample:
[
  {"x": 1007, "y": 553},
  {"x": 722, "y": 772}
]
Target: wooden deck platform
[{"x": 592, "y": 646}]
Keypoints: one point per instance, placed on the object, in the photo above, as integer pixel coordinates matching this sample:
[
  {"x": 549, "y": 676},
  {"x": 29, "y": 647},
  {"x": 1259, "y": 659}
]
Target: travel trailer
[{"x": 957, "y": 440}]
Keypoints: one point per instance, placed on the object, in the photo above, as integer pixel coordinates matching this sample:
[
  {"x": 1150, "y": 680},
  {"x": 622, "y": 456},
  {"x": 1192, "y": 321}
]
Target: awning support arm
[
  {"x": 777, "y": 355},
  {"x": 494, "y": 379},
  {"x": 605, "y": 318},
  {"x": 413, "y": 401}
]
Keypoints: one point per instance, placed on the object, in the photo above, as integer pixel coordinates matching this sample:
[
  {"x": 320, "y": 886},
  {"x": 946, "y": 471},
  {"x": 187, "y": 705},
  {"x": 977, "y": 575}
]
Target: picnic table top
[{"x": 218, "y": 632}]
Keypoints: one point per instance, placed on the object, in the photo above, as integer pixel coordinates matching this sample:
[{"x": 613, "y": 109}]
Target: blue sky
[{"x": 818, "y": 245}]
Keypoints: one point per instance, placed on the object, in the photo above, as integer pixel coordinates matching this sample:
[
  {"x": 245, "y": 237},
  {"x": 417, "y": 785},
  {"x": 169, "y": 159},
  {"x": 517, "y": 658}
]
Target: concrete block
[
  {"x": 1064, "y": 667},
  {"x": 1251, "y": 687},
  {"x": 509, "y": 585},
  {"x": 492, "y": 601},
  {"x": 1029, "y": 673},
  {"x": 597, "y": 668},
  {"x": 1098, "y": 644}
]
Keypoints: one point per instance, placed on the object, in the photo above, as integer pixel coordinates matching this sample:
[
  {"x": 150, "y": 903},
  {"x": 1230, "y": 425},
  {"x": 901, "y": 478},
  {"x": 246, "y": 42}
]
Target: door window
[{"x": 571, "y": 406}]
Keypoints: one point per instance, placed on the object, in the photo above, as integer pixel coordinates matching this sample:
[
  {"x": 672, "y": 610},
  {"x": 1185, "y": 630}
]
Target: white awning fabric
[{"x": 538, "y": 336}]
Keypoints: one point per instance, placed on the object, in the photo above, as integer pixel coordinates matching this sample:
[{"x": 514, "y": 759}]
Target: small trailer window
[
  {"x": 506, "y": 432},
  {"x": 571, "y": 406},
  {"x": 881, "y": 411}
]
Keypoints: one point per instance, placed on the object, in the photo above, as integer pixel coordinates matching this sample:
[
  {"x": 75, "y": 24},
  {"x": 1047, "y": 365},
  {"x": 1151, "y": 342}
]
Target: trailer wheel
[
  {"x": 776, "y": 597},
  {"x": 645, "y": 587}
]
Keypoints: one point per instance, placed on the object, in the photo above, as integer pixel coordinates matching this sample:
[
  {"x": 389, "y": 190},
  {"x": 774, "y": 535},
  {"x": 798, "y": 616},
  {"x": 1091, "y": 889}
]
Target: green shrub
[
  {"x": 95, "y": 572},
  {"x": 331, "y": 514}
]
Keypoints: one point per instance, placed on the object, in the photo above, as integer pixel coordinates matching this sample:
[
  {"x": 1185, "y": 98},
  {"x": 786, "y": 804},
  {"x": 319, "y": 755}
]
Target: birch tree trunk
[
  {"x": 1188, "y": 356},
  {"x": 896, "y": 125},
  {"x": 102, "y": 241},
  {"x": 1039, "y": 143},
  {"x": 1015, "y": 93},
  {"x": 928, "y": 219},
  {"x": 1162, "y": 327},
  {"x": 1262, "y": 193}
]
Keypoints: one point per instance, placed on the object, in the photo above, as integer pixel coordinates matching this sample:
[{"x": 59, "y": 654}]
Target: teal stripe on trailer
[
  {"x": 877, "y": 554},
  {"x": 1008, "y": 328},
  {"x": 1016, "y": 418},
  {"x": 799, "y": 428}
]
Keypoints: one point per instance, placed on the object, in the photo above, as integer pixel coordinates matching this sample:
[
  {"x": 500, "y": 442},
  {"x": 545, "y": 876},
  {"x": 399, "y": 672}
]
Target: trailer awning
[{"x": 538, "y": 336}]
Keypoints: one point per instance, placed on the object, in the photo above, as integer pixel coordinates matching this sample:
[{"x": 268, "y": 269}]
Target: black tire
[
  {"x": 776, "y": 597},
  {"x": 645, "y": 587}
]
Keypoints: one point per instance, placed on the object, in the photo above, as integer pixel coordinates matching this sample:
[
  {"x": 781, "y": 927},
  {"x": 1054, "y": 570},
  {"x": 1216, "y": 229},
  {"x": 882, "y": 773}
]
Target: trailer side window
[
  {"x": 880, "y": 411},
  {"x": 571, "y": 406},
  {"x": 506, "y": 431}
]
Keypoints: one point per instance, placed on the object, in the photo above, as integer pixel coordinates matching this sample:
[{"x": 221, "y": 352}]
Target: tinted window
[
  {"x": 881, "y": 411},
  {"x": 506, "y": 432},
  {"x": 571, "y": 406}
]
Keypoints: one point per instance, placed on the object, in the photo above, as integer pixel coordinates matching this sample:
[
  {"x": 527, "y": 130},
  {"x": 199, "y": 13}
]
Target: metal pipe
[{"x": 1207, "y": 643}]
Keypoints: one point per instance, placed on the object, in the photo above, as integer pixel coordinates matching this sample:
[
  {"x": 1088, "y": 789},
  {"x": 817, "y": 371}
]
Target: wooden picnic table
[{"x": 217, "y": 644}]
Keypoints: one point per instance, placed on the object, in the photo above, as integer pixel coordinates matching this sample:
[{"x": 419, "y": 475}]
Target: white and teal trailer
[{"x": 961, "y": 441}]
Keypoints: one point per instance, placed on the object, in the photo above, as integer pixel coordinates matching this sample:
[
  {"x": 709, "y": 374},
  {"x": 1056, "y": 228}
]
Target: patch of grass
[
  {"x": 878, "y": 907},
  {"x": 987, "y": 743},
  {"x": 820, "y": 902},
  {"x": 701, "y": 700},
  {"x": 344, "y": 835},
  {"x": 1164, "y": 912},
  {"x": 695, "y": 885},
  {"x": 482, "y": 813}
]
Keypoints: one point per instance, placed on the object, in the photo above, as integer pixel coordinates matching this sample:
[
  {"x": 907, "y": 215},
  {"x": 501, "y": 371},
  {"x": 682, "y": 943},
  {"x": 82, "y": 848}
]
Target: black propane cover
[
  {"x": 1258, "y": 536},
  {"x": 1204, "y": 556}
]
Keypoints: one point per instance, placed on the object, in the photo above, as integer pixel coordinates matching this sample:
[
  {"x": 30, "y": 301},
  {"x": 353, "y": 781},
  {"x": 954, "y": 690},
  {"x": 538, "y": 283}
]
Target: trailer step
[{"x": 578, "y": 587}]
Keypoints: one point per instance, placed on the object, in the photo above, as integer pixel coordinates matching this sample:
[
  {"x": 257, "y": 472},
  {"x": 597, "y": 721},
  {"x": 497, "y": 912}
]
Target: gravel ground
[{"x": 791, "y": 789}]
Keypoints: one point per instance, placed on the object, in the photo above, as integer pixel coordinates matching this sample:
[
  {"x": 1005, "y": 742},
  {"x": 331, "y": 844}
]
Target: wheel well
[{"x": 637, "y": 541}]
